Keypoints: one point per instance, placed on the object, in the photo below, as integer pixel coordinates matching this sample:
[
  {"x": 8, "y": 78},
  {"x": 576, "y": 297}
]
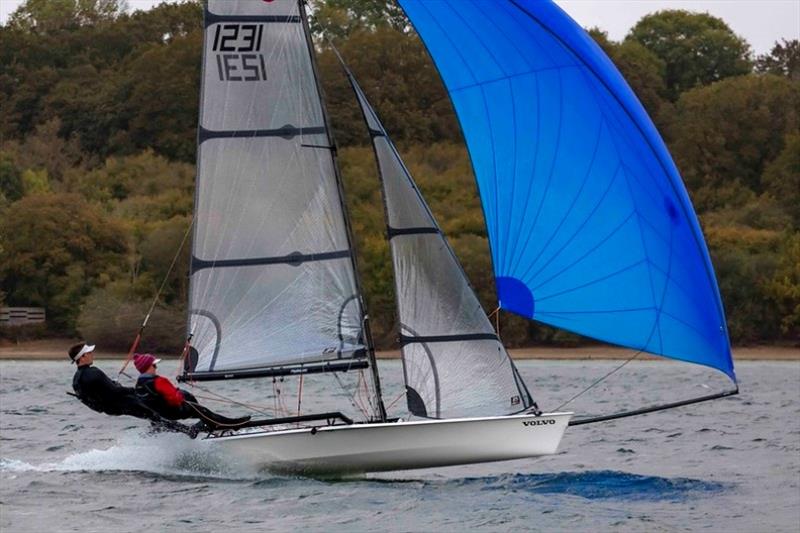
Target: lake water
[{"x": 727, "y": 465}]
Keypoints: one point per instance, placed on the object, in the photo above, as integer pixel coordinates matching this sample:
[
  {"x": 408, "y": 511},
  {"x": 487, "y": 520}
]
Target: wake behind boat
[{"x": 589, "y": 225}]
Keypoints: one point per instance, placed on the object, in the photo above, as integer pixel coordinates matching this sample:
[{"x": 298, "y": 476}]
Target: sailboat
[{"x": 274, "y": 288}]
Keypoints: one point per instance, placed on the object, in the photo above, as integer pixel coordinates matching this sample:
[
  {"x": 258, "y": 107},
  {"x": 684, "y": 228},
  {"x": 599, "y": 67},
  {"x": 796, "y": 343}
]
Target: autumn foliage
[{"x": 98, "y": 112}]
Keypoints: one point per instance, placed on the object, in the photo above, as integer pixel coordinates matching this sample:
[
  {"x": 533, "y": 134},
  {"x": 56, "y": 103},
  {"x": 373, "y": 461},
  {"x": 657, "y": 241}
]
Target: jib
[{"x": 539, "y": 422}]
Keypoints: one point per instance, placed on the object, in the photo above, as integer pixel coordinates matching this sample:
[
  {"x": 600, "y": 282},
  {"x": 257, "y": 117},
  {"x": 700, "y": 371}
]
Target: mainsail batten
[
  {"x": 453, "y": 362},
  {"x": 273, "y": 282},
  {"x": 590, "y": 227}
]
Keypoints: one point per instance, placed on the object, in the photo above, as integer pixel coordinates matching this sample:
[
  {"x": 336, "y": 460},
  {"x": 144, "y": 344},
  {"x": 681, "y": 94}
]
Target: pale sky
[{"x": 760, "y": 22}]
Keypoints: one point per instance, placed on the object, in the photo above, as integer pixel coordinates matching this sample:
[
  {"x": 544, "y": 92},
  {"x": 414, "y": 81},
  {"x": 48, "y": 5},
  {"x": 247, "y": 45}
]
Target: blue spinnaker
[{"x": 590, "y": 226}]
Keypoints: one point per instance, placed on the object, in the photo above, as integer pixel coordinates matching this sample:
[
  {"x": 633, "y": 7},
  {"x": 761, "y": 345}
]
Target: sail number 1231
[{"x": 237, "y": 50}]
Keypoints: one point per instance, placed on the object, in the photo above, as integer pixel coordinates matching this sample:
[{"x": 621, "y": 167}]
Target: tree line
[{"x": 98, "y": 139}]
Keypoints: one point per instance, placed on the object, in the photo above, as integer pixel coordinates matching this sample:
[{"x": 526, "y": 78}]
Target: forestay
[
  {"x": 454, "y": 364},
  {"x": 272, "y": 277},
  {"x": 590, "y": 226}
]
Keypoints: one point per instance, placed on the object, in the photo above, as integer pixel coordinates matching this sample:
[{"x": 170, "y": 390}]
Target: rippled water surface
[{"x": 727, "y": 465}]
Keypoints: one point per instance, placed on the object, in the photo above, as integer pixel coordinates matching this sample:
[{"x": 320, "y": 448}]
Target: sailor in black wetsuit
[{"x": 98, "y": 392}]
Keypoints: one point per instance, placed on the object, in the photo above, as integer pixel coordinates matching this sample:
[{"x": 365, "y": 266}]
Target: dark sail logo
[
  {"x": 539, "y": 422},
  {"x": 237, "y": 50}
]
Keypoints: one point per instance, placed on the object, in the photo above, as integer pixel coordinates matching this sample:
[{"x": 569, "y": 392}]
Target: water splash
[{"x": 163, "y": 454}]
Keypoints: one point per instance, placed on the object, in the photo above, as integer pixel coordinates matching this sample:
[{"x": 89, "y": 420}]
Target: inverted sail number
[{"x": 237, "y": 50}]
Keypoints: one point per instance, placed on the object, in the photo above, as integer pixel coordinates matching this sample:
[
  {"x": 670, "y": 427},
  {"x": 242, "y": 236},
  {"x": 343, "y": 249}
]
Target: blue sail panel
[{"x": 590, "y": 226}]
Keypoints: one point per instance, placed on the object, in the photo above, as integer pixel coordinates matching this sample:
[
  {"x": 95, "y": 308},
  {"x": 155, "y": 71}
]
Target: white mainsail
[{"x": 272, "y": 276}]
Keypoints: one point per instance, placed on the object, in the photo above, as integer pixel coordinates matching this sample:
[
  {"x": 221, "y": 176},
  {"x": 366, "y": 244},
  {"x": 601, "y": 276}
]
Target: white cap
[{"x": 86, "y": 349}]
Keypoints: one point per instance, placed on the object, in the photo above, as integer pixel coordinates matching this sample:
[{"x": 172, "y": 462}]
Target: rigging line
[
  {"x": 496, "y": 315},
  {"x": 350, "y": 395},
  {"x": 299, "y": 394},
  {"x": 225, "y": 399},
  {"x": 256, "y": 408},
  {"x": 368, "y": 395},
  {"x": 155, "y": 300},
  {"x": 357, "y": 395},
  {"x": 599, "y": 380},
  {"x": 395, "y": 400}
]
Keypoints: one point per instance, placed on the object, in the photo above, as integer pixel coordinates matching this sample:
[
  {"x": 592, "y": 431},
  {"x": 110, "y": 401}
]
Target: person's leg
[
  {"x": 192, "y": 408},
  {"x": 207, "y": 415}
]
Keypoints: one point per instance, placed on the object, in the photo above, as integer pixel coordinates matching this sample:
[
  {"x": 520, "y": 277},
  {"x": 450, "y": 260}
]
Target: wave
[{"x": 602, "y": 484}]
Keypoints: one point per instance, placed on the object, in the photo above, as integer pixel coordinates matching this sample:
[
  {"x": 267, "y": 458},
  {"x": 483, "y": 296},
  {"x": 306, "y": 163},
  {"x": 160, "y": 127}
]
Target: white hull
[{"x": 399, "y": 445}]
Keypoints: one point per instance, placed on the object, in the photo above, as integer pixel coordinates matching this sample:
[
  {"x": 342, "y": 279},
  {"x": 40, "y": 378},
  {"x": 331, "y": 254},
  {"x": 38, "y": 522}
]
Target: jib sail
[{"x": 454, "y": 364}]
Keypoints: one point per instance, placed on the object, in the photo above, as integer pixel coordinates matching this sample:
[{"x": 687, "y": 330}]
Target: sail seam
[
  {"x": 213, "y": 18},
  {"x": 668, "y": 167},
  {"x": 394, "y": 232},
  {"x": 405, "y": 339},
  {"x": 287, "y": 132},
  {"x": 292, "y": 259}
]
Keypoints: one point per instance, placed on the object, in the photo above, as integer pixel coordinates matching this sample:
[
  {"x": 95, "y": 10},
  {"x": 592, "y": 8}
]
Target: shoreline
[{"x": 55, "y": 350}]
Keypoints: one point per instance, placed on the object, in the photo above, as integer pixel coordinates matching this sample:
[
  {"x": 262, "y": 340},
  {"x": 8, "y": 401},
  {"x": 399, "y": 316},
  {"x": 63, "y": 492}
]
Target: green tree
[
  {"x": 400, "y": 82},
  {"x": 338, "y": 19},
  {"x": 35, "y": 181},
  {"x": 45, "y": 149},
  {"x": 111, "y": 316},
  {"x": 166, "y": 242},
  {"x": 163, "y": 83},
  {"x": 696, "y": 48},
  {"x": 44, "y": 16},
  {"x": 726, "y": 133},
  {"x": 784, "y": 288},
  {"x": 783, "y": 60},
  {"x": 86, "y": 102},
  {"x": 56, "y": 248},
  {"x": 145, "y": 175},
  {"x": 745, "y": 261},
  {"x": 641, "y": 68},
  {"x": 11, "y": 187},
  {"x": 781, "y": 177}
]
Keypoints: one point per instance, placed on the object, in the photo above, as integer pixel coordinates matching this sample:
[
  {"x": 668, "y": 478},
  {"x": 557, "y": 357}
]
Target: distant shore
[{"x": 55, "y": 349}]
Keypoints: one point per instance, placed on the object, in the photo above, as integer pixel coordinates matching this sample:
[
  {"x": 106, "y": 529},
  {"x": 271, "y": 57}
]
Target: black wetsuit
[{"x": 99, "y": 393}]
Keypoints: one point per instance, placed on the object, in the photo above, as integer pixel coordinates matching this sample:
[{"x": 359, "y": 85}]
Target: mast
[{"x": 351, "y": 241}]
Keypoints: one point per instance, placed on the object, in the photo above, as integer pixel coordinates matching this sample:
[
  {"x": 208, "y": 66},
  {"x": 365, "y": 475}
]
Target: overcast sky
[{"x": 760, "y": 22}]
